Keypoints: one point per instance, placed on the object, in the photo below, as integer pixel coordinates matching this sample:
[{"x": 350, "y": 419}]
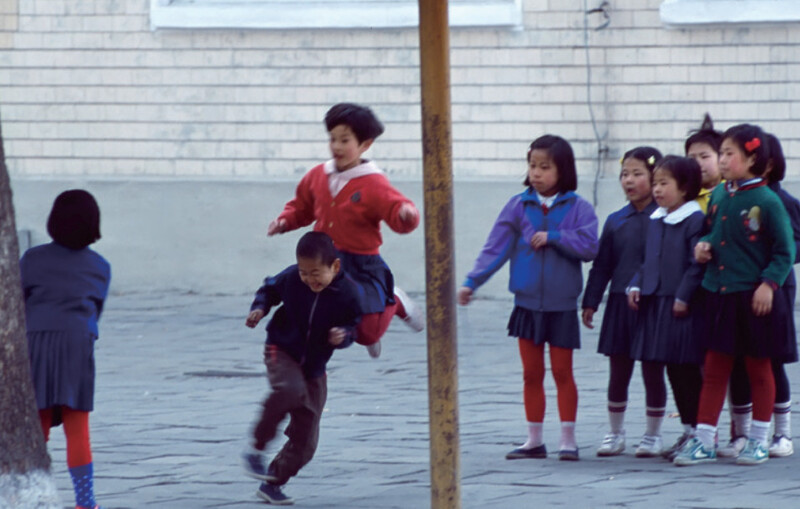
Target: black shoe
[
  {"x": 670, "y": 453},
  {"x": 540, "y": 451},
  {"x": 272, "y": 494},
  {"x": 568, "y": 455},
  {"x": 254, "y": 467}
]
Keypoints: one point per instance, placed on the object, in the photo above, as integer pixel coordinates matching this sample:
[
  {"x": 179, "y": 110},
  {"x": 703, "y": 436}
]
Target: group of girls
[{"x": 698, "y": 266}]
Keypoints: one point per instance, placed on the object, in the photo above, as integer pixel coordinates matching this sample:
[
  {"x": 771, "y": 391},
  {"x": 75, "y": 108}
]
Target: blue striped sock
[{"x": 83, "y": 484}]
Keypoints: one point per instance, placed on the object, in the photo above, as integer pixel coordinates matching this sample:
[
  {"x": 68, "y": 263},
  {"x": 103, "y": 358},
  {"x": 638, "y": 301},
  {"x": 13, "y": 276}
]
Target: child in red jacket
[{"x": 348, "y": 197}]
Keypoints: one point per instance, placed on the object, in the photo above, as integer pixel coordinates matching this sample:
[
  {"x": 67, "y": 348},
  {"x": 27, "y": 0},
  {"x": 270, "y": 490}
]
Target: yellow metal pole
[{"x": 440, "y": 265}]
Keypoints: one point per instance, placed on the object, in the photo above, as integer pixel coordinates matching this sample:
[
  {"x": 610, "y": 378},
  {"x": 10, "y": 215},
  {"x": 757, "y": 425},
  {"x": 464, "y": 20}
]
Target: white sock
[
  {"x": 705, "y": 433},
  {"x": 567, "y": 441},
  {"x": 782, "y": 412},
  {"x": 655, "y": 416},
  {"x": 742, "y": 416},
  {"x": 616, "y": 416},
  {"x": 688, "y": 429},
  {"x": 534, "y": 436},
  {"x": 759, "y": 431}
]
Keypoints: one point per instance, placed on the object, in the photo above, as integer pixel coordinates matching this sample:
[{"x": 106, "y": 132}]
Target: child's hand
[
  {"x": 276, "y": 226},
  {"x": 254, "y": 317},
  {"x": 336, "y": 336},
  {"x": 633, "y": 300},
  {"x": 702, "y": 252},
  {"x": 464, "y": 295},
  {"x": 680, "y": 309},
  {"x": 408, "y": 213},
  {"x": 586, "y": 316},
  {"x": 762, "y": 300},
  {"x": 538, "y": 240}
]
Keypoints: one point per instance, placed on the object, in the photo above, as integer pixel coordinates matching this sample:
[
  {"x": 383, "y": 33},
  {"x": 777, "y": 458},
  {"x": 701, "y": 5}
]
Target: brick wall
[{"x": 87, "y": 89}]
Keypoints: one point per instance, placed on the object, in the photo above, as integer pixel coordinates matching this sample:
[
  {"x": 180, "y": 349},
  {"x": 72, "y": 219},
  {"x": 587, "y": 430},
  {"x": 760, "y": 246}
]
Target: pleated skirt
[
  {"x": 373, "y": 277},
  {"x": 558, "y": 328},
  {"x": 62, "y": 367},
  {"x": 660, "y": 337},
  {"x": 619, "y": 326}
]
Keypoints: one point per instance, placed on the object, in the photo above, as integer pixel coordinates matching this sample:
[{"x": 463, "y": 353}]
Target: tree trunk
[{"x": 25, "y": 479}]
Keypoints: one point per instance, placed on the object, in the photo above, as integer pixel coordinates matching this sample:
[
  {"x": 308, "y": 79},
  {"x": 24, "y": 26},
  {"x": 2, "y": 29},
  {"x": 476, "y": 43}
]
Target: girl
[
  {"x": 347, "y": 198},
  {"x": 740, "y": 385},
  {"x": 65, "y": 285},
  {"x": 621, "y": 252},
  {"x": 750, "y": 244},
  {"x": 662, "y": 292},
  {"x": 703, "y": 146},
  {"x": 546, "y": 232}
]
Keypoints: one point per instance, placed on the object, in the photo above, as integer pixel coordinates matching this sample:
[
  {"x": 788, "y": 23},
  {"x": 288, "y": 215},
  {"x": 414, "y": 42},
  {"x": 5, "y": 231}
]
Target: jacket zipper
[{"x": 308, "y": 332}]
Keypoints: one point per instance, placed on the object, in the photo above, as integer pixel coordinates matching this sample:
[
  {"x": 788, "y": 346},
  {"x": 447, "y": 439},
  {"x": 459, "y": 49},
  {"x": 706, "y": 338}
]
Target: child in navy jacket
[
  {"x": 545, "y": 233},
  {"x": 320, "y": 313}
]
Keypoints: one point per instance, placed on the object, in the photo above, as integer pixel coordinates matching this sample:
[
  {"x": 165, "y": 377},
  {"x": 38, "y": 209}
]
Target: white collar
[
  {"x": 677, "y": 215},
  {"x": 338, "y": 179},
  {"x": 546, "y": 201}
]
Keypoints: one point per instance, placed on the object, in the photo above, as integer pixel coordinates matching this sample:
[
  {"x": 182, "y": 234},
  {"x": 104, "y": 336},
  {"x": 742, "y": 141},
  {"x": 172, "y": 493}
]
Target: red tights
[
  {"x": 373, "y": 326},
  {"x": 76, "y": 429},
  {"x": 717, "y": 371},
  {"x": 533, "y": 375}
]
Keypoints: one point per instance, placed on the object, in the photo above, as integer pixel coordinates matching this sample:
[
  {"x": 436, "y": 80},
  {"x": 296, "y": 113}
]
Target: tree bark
[{"x": 24, "y": 462}]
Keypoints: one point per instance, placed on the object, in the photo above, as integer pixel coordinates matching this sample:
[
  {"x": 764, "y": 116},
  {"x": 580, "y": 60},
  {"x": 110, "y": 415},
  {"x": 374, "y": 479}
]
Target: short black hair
[
  {"x": 685, "y": 171},
  {"x": 752, "y": 141},
  {"x": 74, "y": 220},
  {"x": 561, "y": 153},
  {"x": 648, "y": 155},
  {"x": 317, "y": 246},
  {"x": 706, "y": 134},
  {"x": 360, "y": 119},
  {"x": 778, "y": 160}
]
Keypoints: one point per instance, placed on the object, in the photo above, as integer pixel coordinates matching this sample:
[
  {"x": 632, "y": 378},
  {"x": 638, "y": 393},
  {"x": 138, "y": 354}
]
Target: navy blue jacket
[
  {"x": 64, "y": 288},
  {"x": 669, "y": 267},
  {"x": 792, "y": 206},
  {"x": 301, "y": 325},
  {"x": 621, "y": 253}
]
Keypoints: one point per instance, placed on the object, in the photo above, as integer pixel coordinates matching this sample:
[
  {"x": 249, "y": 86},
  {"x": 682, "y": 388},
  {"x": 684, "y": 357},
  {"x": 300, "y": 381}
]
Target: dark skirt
[
  {"x": 732, "y": 328},
  {"x": 660, "y": 337},
  {"x": 62, "y": 367},
  {"x": 559, "y": 328},
  {"x": 791, "y": 342},
  {"x": 373, "y": 277},
  {"x": 619, "y": 326}
]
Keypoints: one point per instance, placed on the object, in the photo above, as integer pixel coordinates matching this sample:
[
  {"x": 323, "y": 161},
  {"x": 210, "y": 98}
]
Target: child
[
  {"x": 348, "y": 197},
  {"x": 65, "y": 285},
  {"x": 742, "y": 406},
  {"x": 320, "y": 313},
  {"x": 620, "y": 254},
  {"x": 703, "y": 147},
  {"x": 545, "y": 232},
  {"x": 751, "y": 246},
  {"x": 662, "y": 292}
]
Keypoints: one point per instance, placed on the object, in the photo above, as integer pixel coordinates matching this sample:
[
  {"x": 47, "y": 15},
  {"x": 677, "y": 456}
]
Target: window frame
[{"x": 705, "y": 13}]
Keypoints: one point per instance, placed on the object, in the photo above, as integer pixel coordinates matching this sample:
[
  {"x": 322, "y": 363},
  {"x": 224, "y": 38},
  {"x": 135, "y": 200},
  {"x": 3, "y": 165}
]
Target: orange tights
[
  {"x": 533, "y": 375},
  {"x": 76, "y": 429}
]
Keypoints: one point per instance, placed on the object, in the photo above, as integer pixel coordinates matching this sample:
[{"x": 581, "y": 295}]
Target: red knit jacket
[{"x": 353, "y": 217}]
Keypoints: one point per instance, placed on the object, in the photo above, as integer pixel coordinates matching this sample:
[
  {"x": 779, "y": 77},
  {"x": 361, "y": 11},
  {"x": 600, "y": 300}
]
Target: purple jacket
[{"x": 550, "y": 278}]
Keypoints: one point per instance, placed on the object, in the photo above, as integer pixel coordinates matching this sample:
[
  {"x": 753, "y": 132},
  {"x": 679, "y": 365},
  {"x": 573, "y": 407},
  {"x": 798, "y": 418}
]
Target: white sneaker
[
  {"x": 414, "y": 318},
  {"x": 650, "y": 446},
  {"x": 374, "y": 350},
  {"x": 613, "y": 445},
  {"x": 734, "y": 447},
  {"x": 781, "y": 446}
]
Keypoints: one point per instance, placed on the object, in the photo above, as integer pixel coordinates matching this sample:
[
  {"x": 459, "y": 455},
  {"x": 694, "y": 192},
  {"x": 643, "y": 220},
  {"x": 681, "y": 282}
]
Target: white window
[
  {"x": 699, "y": 13},
  {"x": 291, "y": 14}
]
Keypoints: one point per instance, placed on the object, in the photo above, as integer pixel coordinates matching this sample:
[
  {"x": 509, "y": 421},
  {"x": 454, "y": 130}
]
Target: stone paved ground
[{"x": 180, "y": 380}]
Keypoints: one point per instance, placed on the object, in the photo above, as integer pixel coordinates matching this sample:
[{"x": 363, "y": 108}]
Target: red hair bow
[{"x": 752, "y": 144}]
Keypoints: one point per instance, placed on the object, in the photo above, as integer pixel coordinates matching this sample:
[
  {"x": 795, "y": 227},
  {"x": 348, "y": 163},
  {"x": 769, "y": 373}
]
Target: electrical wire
[{"x": 601, "y": 147}]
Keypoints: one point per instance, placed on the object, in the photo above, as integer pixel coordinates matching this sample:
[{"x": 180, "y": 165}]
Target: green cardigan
[{"x": 751, "y": 239}]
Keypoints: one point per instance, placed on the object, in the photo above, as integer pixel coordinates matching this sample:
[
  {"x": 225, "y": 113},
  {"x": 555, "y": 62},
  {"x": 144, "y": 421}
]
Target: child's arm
[
  {"x": 345, "y": 332},
  {"x": 393, "y": 207},
  {"x": 693, "y": 275},
  {"x": 783, "y": 246},
  {"x": 266, "y": 297},
  {"x": 599, "y": 276},
  {"x": 577, "y": 236},
  {"x": 299, "y": 211}
]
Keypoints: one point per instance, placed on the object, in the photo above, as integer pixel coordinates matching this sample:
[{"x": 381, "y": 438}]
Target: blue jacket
[
  {"x": 669, "y": 267},
  {"x": 546, "y": 279},
  {"x": 64, "y": 288},
  {"x": 621, "y": 253},
  {"x": 301, "y": 325}
]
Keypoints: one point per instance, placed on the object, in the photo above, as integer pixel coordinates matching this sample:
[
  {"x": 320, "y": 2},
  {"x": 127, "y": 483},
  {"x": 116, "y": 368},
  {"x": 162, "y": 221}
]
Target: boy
[
  {"x": 320, "y": 313},
  {"x": 347, "y": 197}
]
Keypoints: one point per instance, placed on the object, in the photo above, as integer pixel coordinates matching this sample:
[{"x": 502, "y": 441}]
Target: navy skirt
[
  {"x": 732, "y": 328},
  {"x": 559, "y": 328},
  {"x": 660, "y": 337},
  {"x": 62, "y": 366},
  {"x": 373, "y": 277},
  {"x": 619, "y": 326}
]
